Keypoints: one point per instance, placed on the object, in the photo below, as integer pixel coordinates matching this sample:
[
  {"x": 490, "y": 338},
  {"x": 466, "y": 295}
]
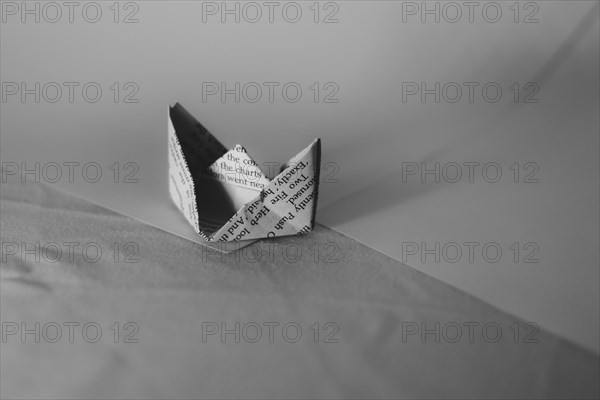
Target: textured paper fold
[{"x": 224, "y": 194}]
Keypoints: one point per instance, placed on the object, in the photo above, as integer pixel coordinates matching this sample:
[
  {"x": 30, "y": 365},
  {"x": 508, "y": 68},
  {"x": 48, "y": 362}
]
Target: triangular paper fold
[{"x": 225, "y": 195}]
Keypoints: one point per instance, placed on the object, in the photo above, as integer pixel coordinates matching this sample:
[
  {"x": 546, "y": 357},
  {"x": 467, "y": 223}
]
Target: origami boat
[{"x": 224, "y": 194}]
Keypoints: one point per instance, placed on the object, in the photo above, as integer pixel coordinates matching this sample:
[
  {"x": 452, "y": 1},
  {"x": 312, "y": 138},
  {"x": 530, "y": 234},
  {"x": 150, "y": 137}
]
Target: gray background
[{"x": 368, "y": 134}]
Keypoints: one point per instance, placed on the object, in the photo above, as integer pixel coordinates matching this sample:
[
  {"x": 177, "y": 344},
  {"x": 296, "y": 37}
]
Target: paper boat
[{"x": 225, "y": 196}]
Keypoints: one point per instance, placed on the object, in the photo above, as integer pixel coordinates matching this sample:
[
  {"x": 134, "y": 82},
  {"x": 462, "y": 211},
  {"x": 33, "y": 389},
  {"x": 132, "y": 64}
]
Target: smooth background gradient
[{"x": 368, "y": 134}]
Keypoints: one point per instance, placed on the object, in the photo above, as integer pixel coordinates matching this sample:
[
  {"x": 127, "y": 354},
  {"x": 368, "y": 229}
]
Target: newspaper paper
[{"x": 224, "y": 194}]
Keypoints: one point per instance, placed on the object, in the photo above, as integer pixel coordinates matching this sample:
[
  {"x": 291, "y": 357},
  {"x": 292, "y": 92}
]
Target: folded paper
[{"x": 225, "y": 196}]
